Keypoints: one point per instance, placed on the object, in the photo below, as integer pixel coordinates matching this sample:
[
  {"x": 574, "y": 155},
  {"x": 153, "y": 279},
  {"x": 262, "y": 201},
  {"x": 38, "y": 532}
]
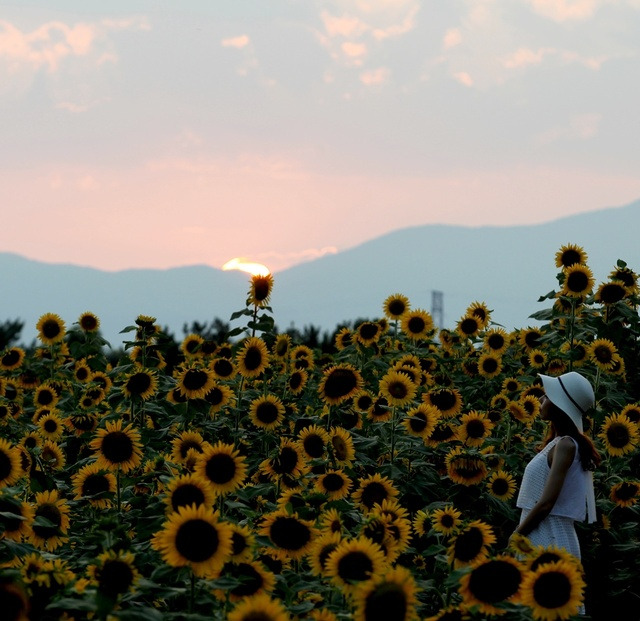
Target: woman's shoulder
[{"x": 567, "y": 445}]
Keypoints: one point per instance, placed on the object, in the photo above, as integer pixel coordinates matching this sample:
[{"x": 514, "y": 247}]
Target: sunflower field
[{"x": 258, "y": 479}]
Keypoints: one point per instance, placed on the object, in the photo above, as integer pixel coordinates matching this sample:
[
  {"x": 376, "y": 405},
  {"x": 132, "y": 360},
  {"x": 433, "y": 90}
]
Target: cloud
[
  {"x": 565, "y": 10},
  {"x": 464, "y": 78},
  {"x": 452, "y": 37},
  {"x": 237, "y": 42},
  {"x": 283, "y": 260},
  {"x": 580, "y": 127},
  {"x": 523, "y": 57},
  {"x": 375, "y": 76}
]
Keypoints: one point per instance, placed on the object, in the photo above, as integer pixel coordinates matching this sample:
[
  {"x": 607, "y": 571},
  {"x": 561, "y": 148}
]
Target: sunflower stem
[
  {"x": 118, "y": 489},
  {"x": 192, "y": 592},
  {"x": 571, "y": 327},
  {"x": 393, "y": 434}
]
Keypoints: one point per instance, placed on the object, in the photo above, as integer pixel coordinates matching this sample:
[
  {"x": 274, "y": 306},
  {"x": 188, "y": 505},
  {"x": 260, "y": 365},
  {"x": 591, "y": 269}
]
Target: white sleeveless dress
[{"x": 558, "y": 527}]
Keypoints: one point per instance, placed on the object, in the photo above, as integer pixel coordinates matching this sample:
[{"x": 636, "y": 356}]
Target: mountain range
[{"x": 506, "y": 267}]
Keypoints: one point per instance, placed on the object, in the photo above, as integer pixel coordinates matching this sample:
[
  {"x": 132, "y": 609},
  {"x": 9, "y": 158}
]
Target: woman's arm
[{"x": 564, "y": 452}]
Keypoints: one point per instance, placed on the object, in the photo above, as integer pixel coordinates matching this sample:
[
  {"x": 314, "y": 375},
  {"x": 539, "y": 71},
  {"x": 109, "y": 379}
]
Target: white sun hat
[{"x": 572, "y": 393}]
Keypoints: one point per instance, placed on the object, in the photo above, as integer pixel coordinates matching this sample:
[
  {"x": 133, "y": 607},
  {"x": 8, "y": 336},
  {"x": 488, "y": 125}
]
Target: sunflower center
[
  {"x": 469, "y": 326},
  {"x": 186, "y": 445},
  {"x": 313, "y": 446},
  {"x": 185, "y": 495},
  {"x": 618, "y": 435},
  {"x": 340, "y": 448},
  {"x": 195, "y": 379},
  {"x": 139, "y": 383},
  {"x": 324, "y": 554},
  {"x": 626, "y": 491},
  {"x": 51, "y": 328},
  {"x": 115, "y": 577},
  {"x": 490, "y": 365},
  {"x": 10, "y": 524},
  {"x": 251, "y": 580},
  {"x": 496, "y": 341},
  {"x": 552, "y": 590},
  {"x": 261, "y": 288},
  {"x": 287, "y": 461},
  {"x": 468, "y": 545},
  {"x": 376, "y": 531},
  {"x": 475, "y": 428},
  {"x": 267, "y": 412},
  {"x": 612, "y": 293},
  {"x": 495, "y": 581},
  {"x": 397, "y": 308},
  {"x": 500, "y": 487},
  {"x": 398, "y": 389},
  {"x": 117, "y": 447},
  {"x": 51, "y": 513},
  {"x": 215, "y": 396},
  {"x": 545, "y": 557},
  {"x": 223, "y": 367},
  {"x": 252, "y": 358},
  {"x": 95, "y": 484},
  {"x": 418, "y": 422},
  {"x": 220, "y": 468},
  {"x": 569, "y": 257},
  {"x": 355, "y": 566},
  {"x": 373, "y": 493},
  {"x": 45, "y": 397},
  {"x": 197, "y": 540},
  {"x": 289, "y": 533},
  {"x": 577, "y": 281},
  {"x": 88, "y": 323},
  {"x": 603, "y": 353},
  {"x": 50, "y": 426},
  {"x": 447, "y": 521},
  {"x": 11, "y": 357},
  {"x": 443, "y": 400},
  {"x": 387, "y": 601},
  {"x": 416, "y": 325},
  {"x": 6, "y": 466},
  {"x": 333, "y": 482},
  {"x": 238, "y": 543},
  {"x": 368, "y": 330},
  {"x": 340, "y": 383}
]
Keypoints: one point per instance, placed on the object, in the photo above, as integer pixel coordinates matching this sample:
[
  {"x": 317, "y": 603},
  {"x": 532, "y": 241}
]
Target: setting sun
[{"x": 244, "y": 265}]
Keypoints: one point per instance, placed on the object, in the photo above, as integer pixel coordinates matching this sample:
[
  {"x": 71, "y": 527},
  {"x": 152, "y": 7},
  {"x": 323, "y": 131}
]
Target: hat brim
[{"x": 558, "y": 397}]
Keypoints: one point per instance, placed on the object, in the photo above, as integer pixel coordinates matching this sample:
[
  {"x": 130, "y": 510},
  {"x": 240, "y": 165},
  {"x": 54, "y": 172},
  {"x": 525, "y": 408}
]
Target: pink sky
[{"x": 139, "y": 137}]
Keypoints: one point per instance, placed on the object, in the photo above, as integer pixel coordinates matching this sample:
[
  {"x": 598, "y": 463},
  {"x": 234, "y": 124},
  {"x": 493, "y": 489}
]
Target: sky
[{"x": 157, "y": 134}]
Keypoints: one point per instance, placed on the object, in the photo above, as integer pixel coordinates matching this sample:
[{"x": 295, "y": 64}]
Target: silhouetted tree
[{"x": 10, "y": 332}]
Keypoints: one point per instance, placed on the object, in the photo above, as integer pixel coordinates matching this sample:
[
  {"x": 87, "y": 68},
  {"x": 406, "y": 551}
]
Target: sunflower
[
  {"x": 632, "y": 412},
  {"x": 253, "y": 358},
  {"x": 530, "y": 338},
  {"x": 380, "y": 412},
  {"x": 223, "y": 467},
  {"x": 15, "y": 603},
  {"x": 518, "y": 412},
  {"x": 343, "y": 338},
  {"x": 297, "y": 381},
  {"x": 342, "y": 446},
  {"x": 260, "y": 289},
  {"x": 601, "y": 353},
  {"x": 553, "y": 591},
  {"x": 281, "y": 346},
  {"x": 491, "y": 582},
  {"x": 54, "y": 512},
  {"x": 302, "y": 357},
  {"x": 51, "y": 329},
  {"x": 320, "y": 549},
  {"x": 19, "y": 525},
  {"x": 395, "y": 306},
  {"x": 10, "y": 470},
  {"x": 194, "y": 537},
  {"x": 471, "y": 544},
  {"x": 339, "y": 383},
  {"x": 50, "y": 426},
  {"x": 501, "y": 485},
  {"x": 569, "y": 255},
  {"x": 290, "y": 536},
  {"x": 543, "y": 555},
  {"x": 397, "y": 388},
  {"x": 313, "y": 441},
  {"x": 373, "y": 490},
  {"x": 481, "y": 312},
  {"x": 191, "y": 345},
  {"x": 218, "y": 397},
  {"x": 114, "y": 573},
  {"x": 468, "y": 326},
  {"x": 45, "y": 396},
  {"x": 354, "y": 562},
  {"x": 367, "y": 333},
  {"x": 417, "y": 324},
  {"x": 489, "y": 365},
  {"x": 94, "y": 484},
  {"x": 627, "y": 276},
  {"x": 537, "y": 359},
  {"x": 223, "y": 368},
  {"x": 619, "y": 434},
  {"x": 267, "y": 412},
  {"x": 251, "y": 577},
  {"x": 12, "y": 358},
  {"x": 189, "y": 489},
  {"x": 288, "y": 461},
  {"x": 464, "y": 468},
  {"x": 242, "y": 543},
  {"x": 611, "y": 292},
  {"x": 421, "y": 420},
  {"x": 578, "y": 281},
  {"x": 389, "y": 596},
  {"x": 446, "y": 520},
  {"x": 186, "y": 441},
  {"x": 625, "y": 493},
  {"x": 521, "y": 545},
  {"x": 117, "y": 447},
  {"x": 195, "y": 382},
  {"x": 474, "y": 428},
  {"x": 259, "y": 608},
  {"x": 142, "y": 383},
  {"x": 334, "y": 483}
]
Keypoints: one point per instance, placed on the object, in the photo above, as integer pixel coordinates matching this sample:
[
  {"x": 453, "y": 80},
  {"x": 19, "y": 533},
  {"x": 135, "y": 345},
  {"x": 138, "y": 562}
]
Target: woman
[{"x": 557, "y": 486}]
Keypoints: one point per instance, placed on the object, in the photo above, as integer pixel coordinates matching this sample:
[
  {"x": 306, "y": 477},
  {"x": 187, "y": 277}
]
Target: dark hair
[{"x": 561, "y": 425}]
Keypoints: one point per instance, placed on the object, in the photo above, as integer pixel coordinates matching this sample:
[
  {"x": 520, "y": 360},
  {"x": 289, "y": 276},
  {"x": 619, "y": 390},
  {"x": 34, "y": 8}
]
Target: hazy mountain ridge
[{"x": 506, "y": 267}]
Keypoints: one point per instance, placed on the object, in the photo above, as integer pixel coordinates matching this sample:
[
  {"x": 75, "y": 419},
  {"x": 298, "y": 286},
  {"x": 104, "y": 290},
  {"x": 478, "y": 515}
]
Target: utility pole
[{"x": 437, "y": 308}]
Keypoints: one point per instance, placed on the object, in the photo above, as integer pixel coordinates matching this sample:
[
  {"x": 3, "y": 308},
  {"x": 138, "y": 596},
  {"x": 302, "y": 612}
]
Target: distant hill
[{"x": 506, "y": 267}]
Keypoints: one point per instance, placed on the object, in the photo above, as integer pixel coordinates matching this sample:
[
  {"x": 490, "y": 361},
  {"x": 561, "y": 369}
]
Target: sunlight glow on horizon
[{"x": 244, "y": 265}]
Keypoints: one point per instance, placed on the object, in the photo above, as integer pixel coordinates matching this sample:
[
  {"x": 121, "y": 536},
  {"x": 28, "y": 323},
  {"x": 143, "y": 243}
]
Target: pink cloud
[
  {"x": 565, "y": 10},
  {"x": 237, "y": 42},
  {"x": 375, "y": 76}
]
